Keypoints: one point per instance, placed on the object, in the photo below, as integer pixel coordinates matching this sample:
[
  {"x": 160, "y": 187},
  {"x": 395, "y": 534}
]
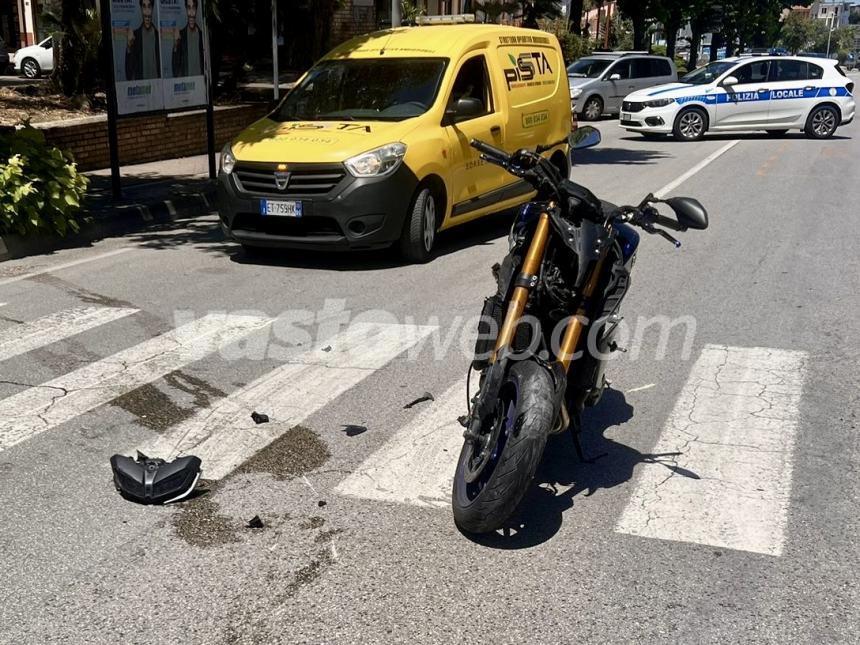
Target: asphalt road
[{"x": 767, "y": 555}]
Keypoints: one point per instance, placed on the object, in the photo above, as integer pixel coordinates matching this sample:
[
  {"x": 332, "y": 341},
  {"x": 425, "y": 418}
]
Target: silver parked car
[{"x": 599, "y": 82}]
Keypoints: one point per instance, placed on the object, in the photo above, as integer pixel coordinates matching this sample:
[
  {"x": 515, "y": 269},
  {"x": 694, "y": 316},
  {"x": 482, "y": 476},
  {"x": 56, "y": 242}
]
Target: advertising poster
[
  {"x": 182, "y": 53},
  {"x": 137, "y": 56}
]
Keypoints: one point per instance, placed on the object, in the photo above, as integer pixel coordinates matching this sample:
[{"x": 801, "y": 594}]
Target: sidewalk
[{"x": 153, "y": 193}]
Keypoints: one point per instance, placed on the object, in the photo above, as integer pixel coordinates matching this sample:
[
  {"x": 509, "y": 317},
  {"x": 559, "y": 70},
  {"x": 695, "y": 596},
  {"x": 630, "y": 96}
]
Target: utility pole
[
  {"x": 395, "y": 13},
  {"x": 277, "y": 80}
]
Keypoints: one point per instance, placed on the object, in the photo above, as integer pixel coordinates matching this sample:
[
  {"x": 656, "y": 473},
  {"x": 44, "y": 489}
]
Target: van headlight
[
  {"x": 659, "y": 102},
  {"x": 378, "y": 162},
  {"x": 575, "y": 92},
  {"x": 228, "y": 160}
]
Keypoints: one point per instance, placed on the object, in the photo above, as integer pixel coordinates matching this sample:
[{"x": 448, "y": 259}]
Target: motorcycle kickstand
[{"x": 575, "y": 429}]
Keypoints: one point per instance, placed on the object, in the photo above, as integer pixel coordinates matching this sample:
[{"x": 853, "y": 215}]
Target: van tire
[
  {"x": 592, "y": 109},
  {"x": 419, "y": 229},
  {"x": 690, "y": 124},
  {"x": 822, "y": 122}
]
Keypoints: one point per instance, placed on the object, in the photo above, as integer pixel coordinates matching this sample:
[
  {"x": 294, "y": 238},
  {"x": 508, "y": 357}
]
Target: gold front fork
[
  {"x": 531, "y": 266},
  {"x": 574, "y": 328}
]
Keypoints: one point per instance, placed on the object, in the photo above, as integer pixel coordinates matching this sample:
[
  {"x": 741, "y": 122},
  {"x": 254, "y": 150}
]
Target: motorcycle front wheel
[{"x": 494, "y": 473}]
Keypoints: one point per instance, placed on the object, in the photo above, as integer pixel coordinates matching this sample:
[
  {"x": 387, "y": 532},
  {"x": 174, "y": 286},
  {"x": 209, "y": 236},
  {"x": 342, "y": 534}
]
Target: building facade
[{"x": 835, "y": 12}]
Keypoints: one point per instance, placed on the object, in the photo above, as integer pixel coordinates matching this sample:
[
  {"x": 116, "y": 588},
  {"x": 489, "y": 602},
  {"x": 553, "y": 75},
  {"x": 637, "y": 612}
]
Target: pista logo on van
[{"x": 525, "y": 68}]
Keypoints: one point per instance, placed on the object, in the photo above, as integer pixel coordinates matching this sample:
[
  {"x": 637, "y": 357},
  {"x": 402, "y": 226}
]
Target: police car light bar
[{"x": 455, "y": 19}]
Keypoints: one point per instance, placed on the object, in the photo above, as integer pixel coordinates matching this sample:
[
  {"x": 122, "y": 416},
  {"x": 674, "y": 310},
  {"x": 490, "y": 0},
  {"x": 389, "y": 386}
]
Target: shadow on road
[
  {"x": 561, "y": 477},
  {"x": 623, "y": 156}
]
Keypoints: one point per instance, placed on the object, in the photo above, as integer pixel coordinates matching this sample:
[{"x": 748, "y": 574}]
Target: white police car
[{"x": 775, "y": 94}]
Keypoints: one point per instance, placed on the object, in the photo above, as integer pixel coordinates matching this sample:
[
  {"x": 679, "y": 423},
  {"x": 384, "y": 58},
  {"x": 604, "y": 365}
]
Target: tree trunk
[
  {"x": 639, "y": 31},
  {"x": 69, "y": 72},
  {"x": 695, "y": 41},
  {"x": 673, "y": 24},
  {"x": 716, "y": 42},
  {"x": 575, "y": 24}
]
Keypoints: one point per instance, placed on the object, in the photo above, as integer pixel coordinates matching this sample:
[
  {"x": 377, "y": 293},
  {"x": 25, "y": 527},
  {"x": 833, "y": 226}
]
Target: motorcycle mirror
[
  {"x": 584, "y": 137},
  {"x": 690, "y": 213}
]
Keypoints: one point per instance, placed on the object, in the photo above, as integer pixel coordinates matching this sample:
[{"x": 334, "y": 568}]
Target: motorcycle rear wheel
[{"x": 526, "y": 414}]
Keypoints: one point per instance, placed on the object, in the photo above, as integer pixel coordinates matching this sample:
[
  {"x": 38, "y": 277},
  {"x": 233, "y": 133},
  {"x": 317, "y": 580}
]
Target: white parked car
[
  {"x": 35, "y": 60},
  {"x": 776, "y": 94}
]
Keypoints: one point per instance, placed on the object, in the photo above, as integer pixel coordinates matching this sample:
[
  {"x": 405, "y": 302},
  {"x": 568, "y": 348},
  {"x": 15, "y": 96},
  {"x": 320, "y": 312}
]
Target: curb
[{"x": 112, "y": 222}]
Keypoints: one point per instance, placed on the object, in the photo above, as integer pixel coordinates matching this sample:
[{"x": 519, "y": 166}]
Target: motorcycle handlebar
[{"x": 490, "y": 151}]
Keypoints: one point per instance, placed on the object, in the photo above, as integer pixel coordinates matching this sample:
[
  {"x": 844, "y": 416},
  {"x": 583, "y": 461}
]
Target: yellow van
[{"x": 371, "y": 148}]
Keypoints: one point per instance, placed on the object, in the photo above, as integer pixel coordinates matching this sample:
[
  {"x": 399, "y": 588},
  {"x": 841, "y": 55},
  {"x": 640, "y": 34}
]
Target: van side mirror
[
  {"x": 465, "y": 108},
  {"x": 584, "y": 137},
  {"x": 615, "y": 77},
  {"x": 690, "y": 213},
  {"x": 730, "y": 80}
]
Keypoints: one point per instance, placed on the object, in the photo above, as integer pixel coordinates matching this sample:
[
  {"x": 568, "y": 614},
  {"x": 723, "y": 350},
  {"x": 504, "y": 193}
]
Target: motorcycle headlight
[
  {"x": 228, "y": 160},
  {"x": 659, "y": 102},
  {"x": 376, "y": 163},
  {"x": 575, "y": 92}
]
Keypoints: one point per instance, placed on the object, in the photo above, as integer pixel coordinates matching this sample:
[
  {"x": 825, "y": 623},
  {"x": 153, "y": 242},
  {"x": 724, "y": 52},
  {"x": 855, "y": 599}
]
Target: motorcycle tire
[{"x": 486, "y": 504}]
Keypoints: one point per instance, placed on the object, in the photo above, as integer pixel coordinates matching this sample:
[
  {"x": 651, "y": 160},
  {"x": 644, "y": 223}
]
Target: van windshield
[
  {"x": 371, "y": 89},
  {"x": 709, "y": 73},
  {"x": 588, "y": 67}
]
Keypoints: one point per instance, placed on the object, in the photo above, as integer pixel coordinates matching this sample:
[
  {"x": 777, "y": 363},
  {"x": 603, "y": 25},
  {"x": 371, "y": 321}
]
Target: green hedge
[{"x": 40, "y": 186}]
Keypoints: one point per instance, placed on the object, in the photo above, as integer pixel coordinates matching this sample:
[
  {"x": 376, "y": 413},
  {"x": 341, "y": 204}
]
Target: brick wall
[
  {"x": 150, "y": 138},
  {"x": 352, "y": 20}
]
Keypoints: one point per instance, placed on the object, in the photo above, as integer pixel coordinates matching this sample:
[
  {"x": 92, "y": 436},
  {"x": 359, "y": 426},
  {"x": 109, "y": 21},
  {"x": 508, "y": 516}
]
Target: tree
[
  {"x": 77, "y": 71},
  {"x": 638, "y": 11},
  {"x": 575, "y": 17}
]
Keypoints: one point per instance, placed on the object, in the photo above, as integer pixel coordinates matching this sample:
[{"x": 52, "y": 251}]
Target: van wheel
[
  {"x": 30, "y": 68},
  {"x": 419, "y": 230},
  {"x": 690, "y": 125},
  {"x": 593, "y": 109},
  {"x": 822, "y": 122}
]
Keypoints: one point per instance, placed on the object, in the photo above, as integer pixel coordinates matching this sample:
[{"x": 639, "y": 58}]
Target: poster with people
[
  {"x": 159, "y": 54},
  {"x": 137, "y": 56},
  {"x": 182, "y": 53}
]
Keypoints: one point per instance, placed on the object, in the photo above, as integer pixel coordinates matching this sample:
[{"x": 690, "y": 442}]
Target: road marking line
[
  {"x": 43, "y": 407},
  {"x": 672, "y": 185},
  {"x": 734, "y": 425},
  {"x": 224, "y": 436},
  {"x": 66, "y": 265},
  {"x": 641, "y": 388},
  {"x": 416, "y": 466},
  {"x": 21, "y": 339}
]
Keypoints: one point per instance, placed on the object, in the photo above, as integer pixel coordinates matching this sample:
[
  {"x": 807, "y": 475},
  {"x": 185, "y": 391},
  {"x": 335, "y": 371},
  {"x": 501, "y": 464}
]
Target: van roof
[{"x": 434, "y": 41}]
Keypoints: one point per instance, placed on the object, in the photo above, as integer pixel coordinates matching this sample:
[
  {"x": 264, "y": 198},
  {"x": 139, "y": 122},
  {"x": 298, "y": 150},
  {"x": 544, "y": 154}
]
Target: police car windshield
[
  {"x": 371, "y": 89},
  {"x": 588, "y": 67},
  {"x": 709, "y": 73}
]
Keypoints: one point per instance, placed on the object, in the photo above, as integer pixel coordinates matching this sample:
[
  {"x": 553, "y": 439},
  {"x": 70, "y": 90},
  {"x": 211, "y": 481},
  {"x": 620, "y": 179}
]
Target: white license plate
[
  {"x": 280, "y": 209},
  {"x": 626, "y": 116}
]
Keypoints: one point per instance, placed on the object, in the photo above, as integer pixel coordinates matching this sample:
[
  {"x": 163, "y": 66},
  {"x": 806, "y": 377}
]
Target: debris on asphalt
[
  {"x": 259, "y": 418},
  {"x": 327, "y": 348},
  {"x": 321, "y": 503},
  {"x": 147, "y": 480},
  {"x": 424, "y": 397},
  {"x": 354, "y": 430},
  {"x": 255, "y": 523},
  {"x": 463, "y": 420}
]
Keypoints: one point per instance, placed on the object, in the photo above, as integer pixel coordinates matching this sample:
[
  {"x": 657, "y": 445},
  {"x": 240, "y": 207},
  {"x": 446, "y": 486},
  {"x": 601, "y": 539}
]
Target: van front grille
[{"x": 265, "y": 179}]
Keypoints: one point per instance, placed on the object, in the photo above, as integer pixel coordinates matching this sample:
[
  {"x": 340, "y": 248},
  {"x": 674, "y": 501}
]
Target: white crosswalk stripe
[
  {"x": 43, "y": 407},
  {"x": 224, "y": 435},
  {"x": 416, "y": 466},
  {"x": 734, "y": 425},
  {"x": 21, "y": 339}
]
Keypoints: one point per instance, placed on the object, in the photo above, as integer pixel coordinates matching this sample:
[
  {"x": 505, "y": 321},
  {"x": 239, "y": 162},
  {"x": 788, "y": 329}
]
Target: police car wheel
[
  {"x": 690, "y": 125},
  {"x": 822, "y": 122},
  {"x": 30, "y": 68},
  {"x": 419, "y": 229}
]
